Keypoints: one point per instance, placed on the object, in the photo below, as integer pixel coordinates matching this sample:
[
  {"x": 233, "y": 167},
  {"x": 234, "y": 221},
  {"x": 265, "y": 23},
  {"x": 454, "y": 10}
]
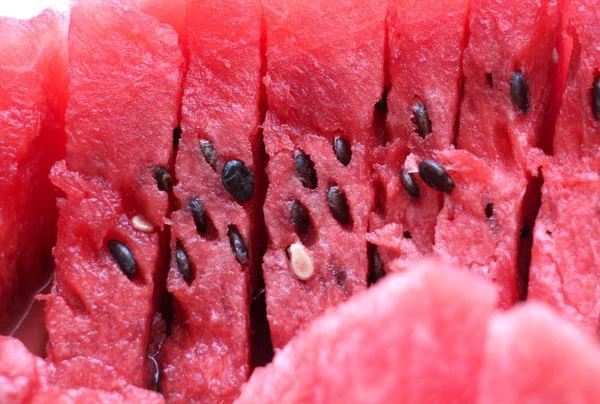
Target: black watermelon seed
[
  {"x": 596, "y": 98},
  {"x": 183, "y": 262},
  {"x": 209, "y": 153},
  {"x": 305, "y": 169},
  {"x": 410, "y": 184},
  {"x": 199, "y": 215},
  {"x": 406, "y": 234},
  {"x": 238, "y": 180},
  {"x": 422, "y": 121},
  {"x": 489, "y": 79},
  {"x": 435, "y": 176},
  {"x": 519, "y": 91},
  {"x": 377, "y": 269},
  {"x": 123, "y": 257},
  {"x": 299, "y": 217},
  {"x": 237, "y": 245},
  {"x": 163, "y": 179},
  {"x": 176, "y": 137},
  {"x": 340, "y": 277},
  {"x": 338, "y": 204},
  {"x": 342, "y": 150},
  {"x": 489, "y": 210}
]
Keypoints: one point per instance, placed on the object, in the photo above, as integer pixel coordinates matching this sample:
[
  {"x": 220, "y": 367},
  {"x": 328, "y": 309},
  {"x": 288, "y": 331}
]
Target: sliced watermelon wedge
[
  {"x": 215, "y": 235},
  {"x": 322, "y": 82},
  {"x": 128, "y": 66}
]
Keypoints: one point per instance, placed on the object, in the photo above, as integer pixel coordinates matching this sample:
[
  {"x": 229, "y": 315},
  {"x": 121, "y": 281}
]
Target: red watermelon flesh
[
  {"x": 414, "y": 337},
  {"x": 426, "y": 41},
  {"x": 170, "y": 12},
  {"x": 324, "y": 76},
  {"x": 98, "y": 320},
  {"x": 479, "y": 225},
  {"x": 565, "y": 268},
  {"x": 534, "y": 357},
  {"x": 32, "y": 73},
  {"x": 576, "y": 127},
  {"x": 207, "y": 355},
  {"x": 24, "y": 380},
  {"x": 507, "y": 38},
  {"x": 128, "y": 67}
]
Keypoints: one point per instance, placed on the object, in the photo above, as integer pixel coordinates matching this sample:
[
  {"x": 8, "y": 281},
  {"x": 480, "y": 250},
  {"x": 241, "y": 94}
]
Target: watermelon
[
  {"x": 565, "y": 270},
  {"x": 324, "y": 76},
  {"x": 116, "y": 178},
  {"x": 32, "y": 77},
  {"x": 426, "y": 41},
  {"x": 532, "y": 356},
  {"x": 416, "y": 336},
  {"x": 215, "y": 235},
  {"x": 503, "y": 117},
  {"x": 24, "y": 380}
]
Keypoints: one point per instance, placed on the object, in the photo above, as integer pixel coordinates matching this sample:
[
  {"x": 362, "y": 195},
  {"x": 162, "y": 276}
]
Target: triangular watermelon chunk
[{"x": 415, "y": 337}]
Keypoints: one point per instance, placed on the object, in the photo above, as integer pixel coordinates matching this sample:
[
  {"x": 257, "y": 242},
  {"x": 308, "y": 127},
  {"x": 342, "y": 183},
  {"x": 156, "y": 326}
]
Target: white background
[{"x": 29, "y": 8}]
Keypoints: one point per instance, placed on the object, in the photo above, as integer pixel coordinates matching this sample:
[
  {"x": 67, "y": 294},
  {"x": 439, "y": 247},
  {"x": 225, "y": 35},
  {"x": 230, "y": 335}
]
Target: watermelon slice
[
  {"x": 24, "y": 380},
  {"x": 32, "y": 102},
  {"x": 322, "y": 82},
  {"x": 128, "y": 66},
  {"x": 534, "y": 357},
  {"x": 426, "y": 41},
  {"x": 429, "y": 322},
  {"x": 565, "y": 271},
  {"x": 503, "y": 116},
  {"x": 216, "y": 238}
]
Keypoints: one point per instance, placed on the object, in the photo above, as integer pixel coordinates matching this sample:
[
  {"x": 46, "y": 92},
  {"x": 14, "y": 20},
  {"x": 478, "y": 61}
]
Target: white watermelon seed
[
  {"x": 554, "y": 56},
  {"x": 302, "y": 265},
  {"x": 140, "y": 223}
]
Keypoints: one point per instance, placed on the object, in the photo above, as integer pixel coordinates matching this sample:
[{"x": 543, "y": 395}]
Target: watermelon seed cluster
[
  {"x": 305, "y": 169},
  {"x": 299, "y": 217},
  {"x": 435, "y": 176},
  {"x": 237, "y": 244},
  {"x": 163, "y": 179},
  {"x": 596, "y": 98},
  {"x": 183, "y": 262},
  {"x": 421, "y": 120},
  {"x": 410, "y": 185},
  {"x": 519, "y": 91},
  {"x": 342, "y": 150},
  {"x": 238, "y": 180},
  {"x": 338, "y": 204},
  {"x": 123, "y": 257}
]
